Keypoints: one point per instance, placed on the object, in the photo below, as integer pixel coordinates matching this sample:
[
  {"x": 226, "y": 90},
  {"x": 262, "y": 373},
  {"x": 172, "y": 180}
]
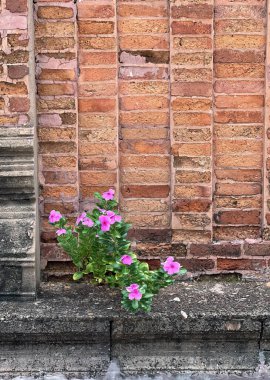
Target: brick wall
[{"x": 165, "y": 102}]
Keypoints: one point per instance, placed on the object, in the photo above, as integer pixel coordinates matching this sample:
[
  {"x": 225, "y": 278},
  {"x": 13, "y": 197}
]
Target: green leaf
[
  {"x": 77, "y": 276},
  {"x": 183, "y": 271},
  {"x": 135, "y": 304}
]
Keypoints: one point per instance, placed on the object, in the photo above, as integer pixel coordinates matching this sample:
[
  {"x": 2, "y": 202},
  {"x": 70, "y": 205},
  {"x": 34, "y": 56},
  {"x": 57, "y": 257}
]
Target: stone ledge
[{"x": 226, "y": 326}]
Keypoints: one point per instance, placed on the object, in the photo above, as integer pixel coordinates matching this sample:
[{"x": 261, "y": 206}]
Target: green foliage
[{"x": 98, "y": 245}]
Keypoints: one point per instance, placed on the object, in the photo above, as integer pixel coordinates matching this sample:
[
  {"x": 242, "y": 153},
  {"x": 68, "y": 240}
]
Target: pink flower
[
  {"x": 108, "y": 195},
  {"x": 111, "y": 215},
  {"x": 88, "y": 222},
  {"x": 60, "y": 232},
  {"x": 81, "y": 218},
  {"x": 105, "y": 223},
  {"x": 134, "y": 293},
  {"x": 126, "y": 259},
  {"x": 54, "y": 216},
  {"x": 170, "y": 266},
  {"x": 118, "y": 218},
  {"x": 132, "y": 287}
]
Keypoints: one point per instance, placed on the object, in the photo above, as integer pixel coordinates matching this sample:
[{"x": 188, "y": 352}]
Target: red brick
[
  {"x": 55, "y": 89},
  {"x": 17, "y": 6},
  {"x": 145, "y": 147},
  {"x": 191, "y": 205},
  {"x": 57, "y": 74},
  {"x": 190, "y": 27},
  {"x": 237, "y": 217},
  {"x": 257, "y": 249},
  {"x": 89, "y": 178},
  {"x": 98, "y": 43},
  {"x": 7, "y": 88},
  {"x": 97, "y": 74},
  {"x": 198, "y": 265},
  {"x": 237, "y": 56},
  {"x": 239, "y": 117},
  {"x": 17, "y": 71},
  {"x": 239, "y": 87},
  {"x": 241, "y": 175},
  {"x": 238, "y": 146},
  {"x": 52, "y": 43},
  {"x": 19, "y": 104},
  {"x": 237, "y": 189},
  {"x": 239, "y": 26},
  {"x": 127, "y": 10},
  {"x": 196, "y": 11},
  {"x": 94, "y": 10},
  {"x": 239, "y": 70},
  {"x": 205, "y": 250},
  {"x": 96, "y": 105},
  {"x": 240, "y": 102},
  {"x": 140, "y": 161},
  {"x": 240, "y": 264},
  {"x": 191, "y": 89}
]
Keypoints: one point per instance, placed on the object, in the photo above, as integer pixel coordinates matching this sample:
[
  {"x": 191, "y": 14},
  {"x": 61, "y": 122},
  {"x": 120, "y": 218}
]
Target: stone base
[{"x": 194, "y": 327}]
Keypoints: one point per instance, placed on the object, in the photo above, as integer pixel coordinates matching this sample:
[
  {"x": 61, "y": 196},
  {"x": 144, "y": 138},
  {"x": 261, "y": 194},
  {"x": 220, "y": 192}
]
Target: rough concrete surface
[{"x": 194, "y": 326}]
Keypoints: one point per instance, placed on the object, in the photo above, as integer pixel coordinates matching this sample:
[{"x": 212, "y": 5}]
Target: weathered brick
[
  {"x": 237, "y": 146},
  {"x": 60, "y": 177},
  {"x": 198, "y": 265},
  {"x": 196, "y": 11},
  {"x": 238, "y": 202},
  {"x": 98, "y": 43},
  {"x": 18, "y": 40},
  {"x": 144, "y": 118},
  {"x": 145, "y": 191},
  {"x": 143, "y": 73},
  {"x": 54, "y": 12},
  {"x": 189, "y": 236},
  {"x": 144, "y": 205},
  {"x": 250, "y": 161},
  {"x": 237, "y": 217},
  {"x": 97, "y": 163},
  {"x": 55, "y": 104},
  {"x": 95, "y": 10},
  {"x": 128, "y": 177},
  {"x": 238, "y": 87},
  {"x": 240, "y": 42},
  {"x": 240, "y": 11},
  {"x": 51, "y": 191},
  {"x": 238, "y": 56},
  {"x": 239, "y": 70},
  {"x": 190, "y": 27},
  {"x": 191, "y": 89},
  {"x": 61, "y": 162},
  {"x": 237, "y": 189},
  {"x": 239, "y": 117},
  {"x": 192, "y": 176},
  {"x": 143, "y": 42},
  {"x": 16, "y": 6},
  {"x": 145, "y": 147},
  {"x": 143, "y": 87},
  {"x": 192, "y": 119},
  {"x": 149, "y": 133},
  {"x": 239, "y": 233},
  {"x": 143, "y": 102},
  {"x": 97, "y": 74},
  {"x": 138, "y": 26},
  {"x": 52, "y": 29},
  {"x": 239, "y": 26},
  {"x": 192, "y": 74},
  {"x": 201, "y": 58},
  {"x": 192, "y": 134},
  {"x": 19, "y": 104},
  {"x": 129, "y": 10},
  {"x": 192, "y": 43},
  {"x": 52, "y": 43},
  {"x": 96, "y": 27},
  {"x": 7, "y": 88},
  {"x": 242, "y": 102},
  {"x": 257, "y": 249},
  {"x": 185, "y": 191},
  {"x": 244, "y": 131},
  {"x": 191, "y": 205},
  {"x": 205, "y": 250},
  {"x": 241, "y": 175},
  {"x": 17, "y": 71},
  {"x": 191, "y": 104},
  {"x": 89, "y": 178},
  {"x": 141, "y": 161},
  {"x": 190, "y": 221},
  {"x": 55, "y": 89},
  {"x": 240, "y": 264},
  {"x": 203, "y": 149}
]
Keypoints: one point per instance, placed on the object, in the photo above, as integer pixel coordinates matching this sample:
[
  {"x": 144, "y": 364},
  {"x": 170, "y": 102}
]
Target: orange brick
[
  {"x": 55, "y": 89},
  {"x": 192, "y": 75},
  {"x": 54, "y": 12},
  {"x": 98, "y": 43},
  {"x": 144, "y": 118},
  {"x": 143, "y": 42},
  {"x": 143, "y": 102},
  {"x": 236, "y": 161},
  {"x": 143, "y": 87},
  {"x": 89, "y": 178},
  {"x": 144, "y": 147},
  {"x": 192, "y": 43},
  {"x": 97, "y": 74},
  {"x": 237, "y": 70},
  {"x": 97, "y": 58},
  {"x": 140, "y": 161},
  {"x": 191, "y": 149},
  {"x": 127, "y": 10},
  {"x": 96, "y": 27},
  {"x": 239, "y": 26},
  {"x": 190, "y": 27},
  {"x": 240, "y": 102},
  {"x": 196, "y": 11},
  {"x": 191, "y": 104},
  {"x": 238, "y": 189},
  {"x": 239, "y": 42},
  {"x": 57, "y": 74},
  {"x": 194, "y": 119},
  {"x": 96, "y": 105},
  {"x": 238, "y": 87},
  {"x": 239, "y": 117},
  {"x": 94, "y": 10},
  {"x": 52, "y": 29},
  {"x": 138, "y": 26}
]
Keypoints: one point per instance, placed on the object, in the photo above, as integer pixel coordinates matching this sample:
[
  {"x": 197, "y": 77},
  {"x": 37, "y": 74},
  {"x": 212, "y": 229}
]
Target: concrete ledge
[{"x": 77, "y": 329}]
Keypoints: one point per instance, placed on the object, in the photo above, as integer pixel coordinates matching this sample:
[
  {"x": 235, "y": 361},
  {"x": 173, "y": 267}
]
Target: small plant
[{"x": 98, "y": 245}]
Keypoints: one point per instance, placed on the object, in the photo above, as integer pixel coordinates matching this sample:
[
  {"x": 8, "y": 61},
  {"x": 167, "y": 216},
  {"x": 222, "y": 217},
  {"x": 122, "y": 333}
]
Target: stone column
[{"x": 18, "y": 221}]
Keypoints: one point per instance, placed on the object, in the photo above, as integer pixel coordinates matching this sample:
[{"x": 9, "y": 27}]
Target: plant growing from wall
[{"x": 98, "y": 245}]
